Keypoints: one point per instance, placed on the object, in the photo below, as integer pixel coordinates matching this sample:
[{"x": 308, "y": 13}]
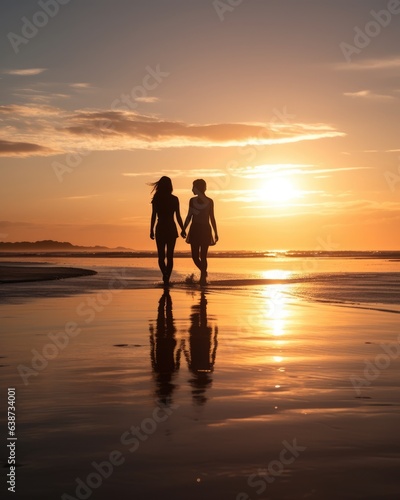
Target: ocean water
[
  {"x": 356, "y": 279},
  {"x": 265, "y": 355}
]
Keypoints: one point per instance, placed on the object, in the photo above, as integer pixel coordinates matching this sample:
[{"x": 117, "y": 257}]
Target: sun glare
[{"x": 278, "y": 190}]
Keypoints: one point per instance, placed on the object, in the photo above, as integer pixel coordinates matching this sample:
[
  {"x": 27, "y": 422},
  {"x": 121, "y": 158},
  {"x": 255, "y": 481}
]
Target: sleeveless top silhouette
[
  {"x": 165, "y": 207},
  {"x": 200, "y": 230}
]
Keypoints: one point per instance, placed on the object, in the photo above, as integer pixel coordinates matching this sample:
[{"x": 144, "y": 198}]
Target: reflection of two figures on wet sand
[{"x": 199, "y": 348}]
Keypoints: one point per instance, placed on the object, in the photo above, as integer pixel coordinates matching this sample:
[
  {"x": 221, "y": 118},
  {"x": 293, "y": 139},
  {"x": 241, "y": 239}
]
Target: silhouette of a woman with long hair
[
  {"x": 164, "y": 352},
  {"x": 165, "y": 207},
  {"x": 201, "y": 214}
]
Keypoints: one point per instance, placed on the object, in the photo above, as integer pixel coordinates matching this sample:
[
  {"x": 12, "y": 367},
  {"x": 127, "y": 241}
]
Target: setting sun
[{"x": 278, "y": 190}]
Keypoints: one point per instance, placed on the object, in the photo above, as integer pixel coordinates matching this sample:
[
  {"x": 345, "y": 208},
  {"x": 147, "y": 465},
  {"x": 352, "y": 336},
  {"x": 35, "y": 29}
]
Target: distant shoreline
[{"x": 393, "y": 255}]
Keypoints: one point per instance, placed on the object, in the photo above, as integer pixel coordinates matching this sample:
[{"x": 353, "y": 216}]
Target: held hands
[{"x": 183, "y": 233}]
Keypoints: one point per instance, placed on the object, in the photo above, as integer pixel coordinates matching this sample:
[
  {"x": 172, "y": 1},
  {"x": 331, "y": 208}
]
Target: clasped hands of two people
[{"x": 183, "y": 234}]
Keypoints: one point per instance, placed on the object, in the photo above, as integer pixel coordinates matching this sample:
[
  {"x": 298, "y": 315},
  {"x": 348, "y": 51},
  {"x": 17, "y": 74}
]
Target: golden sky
[{"x": 289, "y": 110}]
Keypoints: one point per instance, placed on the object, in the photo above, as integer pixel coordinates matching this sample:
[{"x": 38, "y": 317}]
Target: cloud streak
[
  {"x": 108, "y": 130},
  {"x": 144, "y": 131},
  {"x": 22, "y": 149},
  {"x": 24, "y": 72},
  {"x": 273, "y": 170},
  {"x": 371, "y": 64},
  {"x": 368, "y": 94},
  {"x": 191, "y": 173},
  {"x": 248, "y": 172},
  {"x": 363, "y": 208}
]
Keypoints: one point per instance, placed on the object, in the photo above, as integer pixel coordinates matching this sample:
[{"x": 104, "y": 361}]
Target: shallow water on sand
[
  {"x": 197, "y": 395},
  {"x": 362, "y": 282}
]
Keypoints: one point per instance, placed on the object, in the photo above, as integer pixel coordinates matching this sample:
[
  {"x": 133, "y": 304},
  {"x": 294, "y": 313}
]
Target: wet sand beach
[
  {"x": 10, "y": 273},
  {"x": 222, "y": 393}
]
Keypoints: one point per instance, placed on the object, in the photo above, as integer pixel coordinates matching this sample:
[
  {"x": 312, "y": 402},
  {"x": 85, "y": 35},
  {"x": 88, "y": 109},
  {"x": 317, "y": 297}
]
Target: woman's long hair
[{"x": 162, "y": 188}]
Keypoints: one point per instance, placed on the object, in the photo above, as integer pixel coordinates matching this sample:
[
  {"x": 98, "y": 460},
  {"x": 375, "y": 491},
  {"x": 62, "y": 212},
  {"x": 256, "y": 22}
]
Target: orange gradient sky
[{"x": 296, "y": 134}]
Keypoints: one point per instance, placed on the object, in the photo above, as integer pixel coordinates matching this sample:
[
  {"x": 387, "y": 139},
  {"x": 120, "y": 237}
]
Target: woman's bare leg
[
  {"x": 204, "y": 263},
  {"x": 195, "y": 255},
  {"x": 170, "y": 258},
  {"x": 161, "y": 256}
]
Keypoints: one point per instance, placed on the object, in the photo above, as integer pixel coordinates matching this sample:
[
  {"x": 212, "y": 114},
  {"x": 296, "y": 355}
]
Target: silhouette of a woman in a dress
[
  {"x": 201, "y": 352},
  {"x": 165, "y": 207},
  {"x": 201, "y": 214}
]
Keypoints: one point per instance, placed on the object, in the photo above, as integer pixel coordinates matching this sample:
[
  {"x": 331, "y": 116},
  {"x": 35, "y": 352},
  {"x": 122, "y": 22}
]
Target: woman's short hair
[{"x": 200, "y": 185}]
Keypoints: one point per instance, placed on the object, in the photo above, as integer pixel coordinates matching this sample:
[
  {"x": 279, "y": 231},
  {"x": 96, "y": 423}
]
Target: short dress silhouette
[
  {"x": 165, "y": 208},
  {"x": 200, "y": 229}
]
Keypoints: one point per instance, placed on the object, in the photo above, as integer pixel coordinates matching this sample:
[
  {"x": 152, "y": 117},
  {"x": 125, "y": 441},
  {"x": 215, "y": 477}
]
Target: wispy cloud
[
  {"x": 365, "y": 209},
  {"x": 290, "y": 169},
  {"x": 82, "y": 85},
  {"x": 22, "y": 149},
  {"x": 24, "y": 72},
  {"x": 147, "y": 100},
  {"x": 206, "y": 172},
  {"x": 149, "y": 132},
  {"x": 82, "y": 197},
  {"x": 15, "y": 112},
  {"x": 248, "y": 172},
  {"x": 368, "y": 94},
  {"x": 370, "y": 64},
  {"x": 107, "y": 130}
]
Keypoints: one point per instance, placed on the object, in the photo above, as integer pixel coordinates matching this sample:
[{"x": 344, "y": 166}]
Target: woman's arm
[
  {"x": 213, "y": 221},
  {"x": 152, "y": 222},
  {"x": 189, "y": 215},
  {"x": 179, "y": 219}
]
